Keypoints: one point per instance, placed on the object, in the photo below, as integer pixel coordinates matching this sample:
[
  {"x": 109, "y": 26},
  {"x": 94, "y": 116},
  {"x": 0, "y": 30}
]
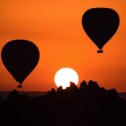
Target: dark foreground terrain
[{"x": 88, "y": 105}]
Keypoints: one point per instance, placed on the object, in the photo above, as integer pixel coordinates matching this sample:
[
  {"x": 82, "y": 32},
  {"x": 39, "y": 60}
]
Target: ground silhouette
[{"x": 88, "y": 105}]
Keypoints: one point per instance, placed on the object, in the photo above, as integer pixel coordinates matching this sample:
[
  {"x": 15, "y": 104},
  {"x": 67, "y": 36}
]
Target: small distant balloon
[
  {"x": 100, "y": 24},
  {"x": 20, "y": 57}
]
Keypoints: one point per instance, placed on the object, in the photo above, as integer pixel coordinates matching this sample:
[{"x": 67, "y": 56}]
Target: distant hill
[
  {"x": 4, "y": 94},
  {"x": 123, "y": 95}
]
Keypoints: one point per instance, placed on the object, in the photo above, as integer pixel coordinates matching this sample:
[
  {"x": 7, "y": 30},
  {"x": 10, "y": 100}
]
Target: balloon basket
[
  {"x": 19, "y": 86},
  {"x": 100, "y": 51}
]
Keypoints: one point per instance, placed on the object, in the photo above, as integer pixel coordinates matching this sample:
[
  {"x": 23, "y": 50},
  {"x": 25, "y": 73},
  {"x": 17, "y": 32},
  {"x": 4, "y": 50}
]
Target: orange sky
[{"x": 55, "y": 27}]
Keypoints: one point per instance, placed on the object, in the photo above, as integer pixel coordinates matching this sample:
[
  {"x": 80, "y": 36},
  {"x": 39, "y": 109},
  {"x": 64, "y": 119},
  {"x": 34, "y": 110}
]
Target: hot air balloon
[
  {"x": 100, "y": 24},
  {"x": 20, "y": 57}
]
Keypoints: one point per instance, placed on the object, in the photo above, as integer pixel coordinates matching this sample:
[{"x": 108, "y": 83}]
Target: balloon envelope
[
  {"x": 100, "y": 24},
  {"x": 20, "y": 57}
]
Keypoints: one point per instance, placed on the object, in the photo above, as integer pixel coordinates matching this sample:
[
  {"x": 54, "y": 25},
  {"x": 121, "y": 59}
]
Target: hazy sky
[{"x": 56, "y": 28}]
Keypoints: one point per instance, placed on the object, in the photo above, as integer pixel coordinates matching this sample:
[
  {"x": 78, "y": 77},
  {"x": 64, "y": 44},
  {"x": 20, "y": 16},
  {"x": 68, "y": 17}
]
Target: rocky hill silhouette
[{"x": 88, "y": 105}]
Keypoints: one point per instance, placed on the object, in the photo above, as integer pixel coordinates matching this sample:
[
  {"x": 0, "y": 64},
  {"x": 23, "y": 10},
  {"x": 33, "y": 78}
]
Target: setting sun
[{"x": 64, "y": 76}]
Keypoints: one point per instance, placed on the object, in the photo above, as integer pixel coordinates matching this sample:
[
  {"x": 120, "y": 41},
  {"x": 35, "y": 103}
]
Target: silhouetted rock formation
[{"x": 84, "y": 106}]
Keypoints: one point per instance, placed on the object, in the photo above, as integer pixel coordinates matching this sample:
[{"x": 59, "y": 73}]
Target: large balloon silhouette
[
  {"x": 20, "y": 57},
  {"x": 100, "y": 24}
]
